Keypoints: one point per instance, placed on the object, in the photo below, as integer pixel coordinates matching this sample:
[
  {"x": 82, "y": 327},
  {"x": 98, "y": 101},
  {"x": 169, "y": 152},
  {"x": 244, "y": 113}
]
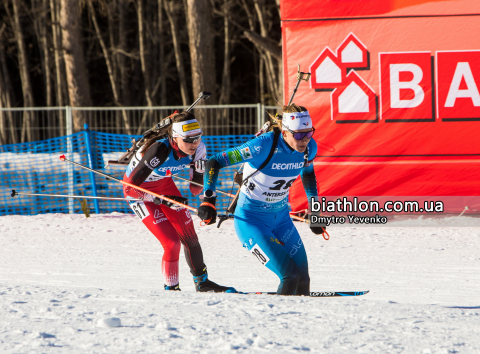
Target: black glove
[
  {"x": 171, "y": 205},
  {"x": 207, "y": 210},
  {"x": 318, "y": 230}
]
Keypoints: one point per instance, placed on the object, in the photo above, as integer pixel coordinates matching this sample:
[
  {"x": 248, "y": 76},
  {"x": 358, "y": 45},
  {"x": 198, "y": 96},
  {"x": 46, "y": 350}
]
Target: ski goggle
[
  {"x": 192, "y": 139},
  {"x": 301, "y": 135}
]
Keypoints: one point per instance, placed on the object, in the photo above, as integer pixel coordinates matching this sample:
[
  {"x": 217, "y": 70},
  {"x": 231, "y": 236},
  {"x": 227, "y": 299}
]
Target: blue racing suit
[{"x": 262, "y": 220}]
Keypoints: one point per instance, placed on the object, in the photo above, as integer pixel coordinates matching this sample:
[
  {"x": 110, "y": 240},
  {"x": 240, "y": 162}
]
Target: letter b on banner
[
  {"x": 396, "y": 86},
  {"x": 406, "y": 87}
]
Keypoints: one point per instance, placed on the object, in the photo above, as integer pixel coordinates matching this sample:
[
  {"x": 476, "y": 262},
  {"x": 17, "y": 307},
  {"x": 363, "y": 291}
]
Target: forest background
[{"x": 101, "y": 53}]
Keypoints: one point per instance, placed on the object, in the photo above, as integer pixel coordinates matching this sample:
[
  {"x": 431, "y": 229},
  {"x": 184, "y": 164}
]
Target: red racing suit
[{"x": 171, "y": 227}]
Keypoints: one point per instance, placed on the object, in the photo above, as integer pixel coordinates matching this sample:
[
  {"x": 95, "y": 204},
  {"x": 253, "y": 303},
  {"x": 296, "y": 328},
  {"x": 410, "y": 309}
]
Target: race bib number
[
  {"x": 265, "y": 188},
  {"x": 261, "y": 256},
  {"x": 140, "y": 209}
]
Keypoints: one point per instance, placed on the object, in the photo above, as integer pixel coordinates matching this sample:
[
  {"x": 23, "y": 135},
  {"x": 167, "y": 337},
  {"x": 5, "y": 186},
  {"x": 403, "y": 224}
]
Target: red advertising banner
[{"x": 394, "y": 95}]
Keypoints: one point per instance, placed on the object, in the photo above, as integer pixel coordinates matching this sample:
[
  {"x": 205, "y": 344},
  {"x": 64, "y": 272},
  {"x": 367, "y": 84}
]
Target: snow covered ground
[{"x": 67, "y": 281}]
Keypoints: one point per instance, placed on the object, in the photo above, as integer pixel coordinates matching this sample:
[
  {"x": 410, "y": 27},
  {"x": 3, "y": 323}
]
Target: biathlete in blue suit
[{"x": 262, "y": 220}]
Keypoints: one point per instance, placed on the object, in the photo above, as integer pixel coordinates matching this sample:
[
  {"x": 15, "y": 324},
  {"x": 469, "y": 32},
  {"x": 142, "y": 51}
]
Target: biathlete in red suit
[{"x": 174, "y": 148}]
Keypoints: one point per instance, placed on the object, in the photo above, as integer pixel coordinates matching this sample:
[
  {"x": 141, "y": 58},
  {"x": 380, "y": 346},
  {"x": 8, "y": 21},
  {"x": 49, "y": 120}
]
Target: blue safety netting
[{"x": 36, "y": 168}]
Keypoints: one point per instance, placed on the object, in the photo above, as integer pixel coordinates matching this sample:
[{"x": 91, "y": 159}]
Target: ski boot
[
  {"x": 172, "y": 287},
  {"x": 203, "y": 284}
]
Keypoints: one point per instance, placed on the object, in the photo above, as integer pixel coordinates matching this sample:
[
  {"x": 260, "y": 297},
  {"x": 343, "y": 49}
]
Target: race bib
[
  {"x": 266, "y": 188},
  {"x": 261, "y": 256},
  {"x": 140, "y": 209}
]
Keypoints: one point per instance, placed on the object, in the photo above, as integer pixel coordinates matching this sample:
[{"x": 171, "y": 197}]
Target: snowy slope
[{"x": 64, "y": 277}]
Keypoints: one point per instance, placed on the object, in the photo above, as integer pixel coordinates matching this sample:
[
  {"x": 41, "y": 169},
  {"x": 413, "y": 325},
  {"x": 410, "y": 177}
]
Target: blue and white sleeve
[{"x": 254, "y": 152}]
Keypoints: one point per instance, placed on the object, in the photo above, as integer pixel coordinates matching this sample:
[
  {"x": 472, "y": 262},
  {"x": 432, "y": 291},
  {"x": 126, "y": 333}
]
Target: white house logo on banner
[
  {"x": 414, "y": 86},
  {"x": 352, "y": 99}
]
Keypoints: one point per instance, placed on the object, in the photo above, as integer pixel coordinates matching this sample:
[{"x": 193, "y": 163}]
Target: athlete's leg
[
  {"x": 255, "y": 232},
  {"x": 286, "y": 232},
  {"x": 181, "y": 220},
  {"x": 155, "y": 220},
  {"x": 182, "y": 223}
]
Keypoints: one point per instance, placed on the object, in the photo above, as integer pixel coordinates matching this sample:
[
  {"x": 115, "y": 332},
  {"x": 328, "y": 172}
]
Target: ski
[{"x": 317, "y": 293}]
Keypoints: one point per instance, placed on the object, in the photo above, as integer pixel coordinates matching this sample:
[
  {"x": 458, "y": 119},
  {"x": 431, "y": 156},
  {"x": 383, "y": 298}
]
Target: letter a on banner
[
  {"x": 463, "y": 72},
  {"x": 458, "y": 84}
]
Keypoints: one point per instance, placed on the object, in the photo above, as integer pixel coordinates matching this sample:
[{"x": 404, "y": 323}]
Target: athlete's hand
[
  {"x": 198, "y": 166},
  {"x": 207, "y": 211},
  {"x": 147, "y": 197},
  {"x": 318, "y": 230}
]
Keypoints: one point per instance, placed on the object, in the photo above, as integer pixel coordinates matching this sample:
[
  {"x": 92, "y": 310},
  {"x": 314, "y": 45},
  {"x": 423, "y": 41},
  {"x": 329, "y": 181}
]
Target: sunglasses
[
  {"x": 192, "y": 139},
  {"x": 301, "y": 135}
]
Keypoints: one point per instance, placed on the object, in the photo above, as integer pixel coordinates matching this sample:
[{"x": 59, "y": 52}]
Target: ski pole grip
[
  {"x": 14, "y": 193},
  {"x": 62, "y": 157},
  {"x": 221, "y": 218}
]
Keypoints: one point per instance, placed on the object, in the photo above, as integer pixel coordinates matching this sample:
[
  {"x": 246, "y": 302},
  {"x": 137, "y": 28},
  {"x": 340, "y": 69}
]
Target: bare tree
[
  {"x": 202, "y": 54},
  {"x": 57, "y": 51},
  {"x": 270, "y": 63},
  {"x": 143, "y": 54},
  {"x": 77, "y": 82},
  {"x": 226, "y": 77},
  {"x": 23, "y": 64},
  {"x": 222, "y": 46},
  {"x": 273, "y": 79},
  {"x": 3, "y": 120},
  {"x": 110, "y": 64},
  {"x": 121, "y": 51},
  {"x": 143, "y": 62},
  {"x": 3, "y": 123},
  {"x": 162, "y": 58},
  {"x": 171, "y": 9},
  {"x": 40, "y": 12},
  {"x": 6, "y": 95},
  {"x": 201, "y": 45}
]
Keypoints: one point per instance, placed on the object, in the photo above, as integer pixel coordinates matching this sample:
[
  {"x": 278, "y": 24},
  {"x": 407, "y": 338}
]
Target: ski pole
[
  {"x": 14, "y": 193},
  {"x": 169, "y": 174},
  {"x": 108, "y": 177},
  {"x": 292, "y": 215}
]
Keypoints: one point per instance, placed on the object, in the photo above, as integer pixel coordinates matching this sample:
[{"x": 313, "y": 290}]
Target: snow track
[{"x": 67, "y": 282}]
